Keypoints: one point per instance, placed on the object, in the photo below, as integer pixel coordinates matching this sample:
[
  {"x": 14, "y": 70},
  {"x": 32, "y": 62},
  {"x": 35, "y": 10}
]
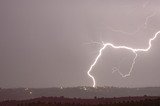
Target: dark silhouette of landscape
[
  {"x": 82, "y": 92},
  {"x": 61, "y": 101}
]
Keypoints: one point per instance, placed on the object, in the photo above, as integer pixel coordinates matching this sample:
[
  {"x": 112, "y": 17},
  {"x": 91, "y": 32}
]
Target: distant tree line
[
  {"x": 78, "y": 92},
  {"x": 88, "y": 102},
  {"x": 124, "y": 103}
]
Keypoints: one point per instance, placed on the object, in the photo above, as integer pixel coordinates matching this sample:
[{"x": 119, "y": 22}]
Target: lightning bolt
[{"x": 133, "y": 50}]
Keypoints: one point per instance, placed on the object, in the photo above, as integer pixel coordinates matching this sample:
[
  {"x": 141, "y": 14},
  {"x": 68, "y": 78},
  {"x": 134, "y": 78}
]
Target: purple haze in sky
[{"x": 45, "y": 43}]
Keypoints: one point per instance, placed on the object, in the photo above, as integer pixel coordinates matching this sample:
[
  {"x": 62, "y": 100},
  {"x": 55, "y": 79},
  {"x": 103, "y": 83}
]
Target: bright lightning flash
[{"x": 135, "y": 51}]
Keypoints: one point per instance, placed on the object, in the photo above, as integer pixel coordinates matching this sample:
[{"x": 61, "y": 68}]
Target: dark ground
[{"x": 61, "y": 101}]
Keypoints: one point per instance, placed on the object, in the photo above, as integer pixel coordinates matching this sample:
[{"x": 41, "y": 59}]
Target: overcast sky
[{"x": 45, "y": 43}]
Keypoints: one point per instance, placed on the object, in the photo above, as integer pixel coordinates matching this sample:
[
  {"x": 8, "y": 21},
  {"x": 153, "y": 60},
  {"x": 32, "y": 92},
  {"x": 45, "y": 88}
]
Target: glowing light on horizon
[{"x": 28, "y": 90}]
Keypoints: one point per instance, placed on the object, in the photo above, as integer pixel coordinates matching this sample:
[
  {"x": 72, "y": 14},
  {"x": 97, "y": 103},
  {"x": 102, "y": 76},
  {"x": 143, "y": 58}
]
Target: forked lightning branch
[{"x": 134, "y": 50}]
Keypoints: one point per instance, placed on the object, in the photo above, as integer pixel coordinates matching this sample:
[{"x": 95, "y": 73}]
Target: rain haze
[{"x": 49, "y": 43}]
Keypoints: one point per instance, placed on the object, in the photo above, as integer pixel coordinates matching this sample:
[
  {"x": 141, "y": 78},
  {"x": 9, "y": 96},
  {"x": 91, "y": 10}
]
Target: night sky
[{"x": 48, "y": 43}]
